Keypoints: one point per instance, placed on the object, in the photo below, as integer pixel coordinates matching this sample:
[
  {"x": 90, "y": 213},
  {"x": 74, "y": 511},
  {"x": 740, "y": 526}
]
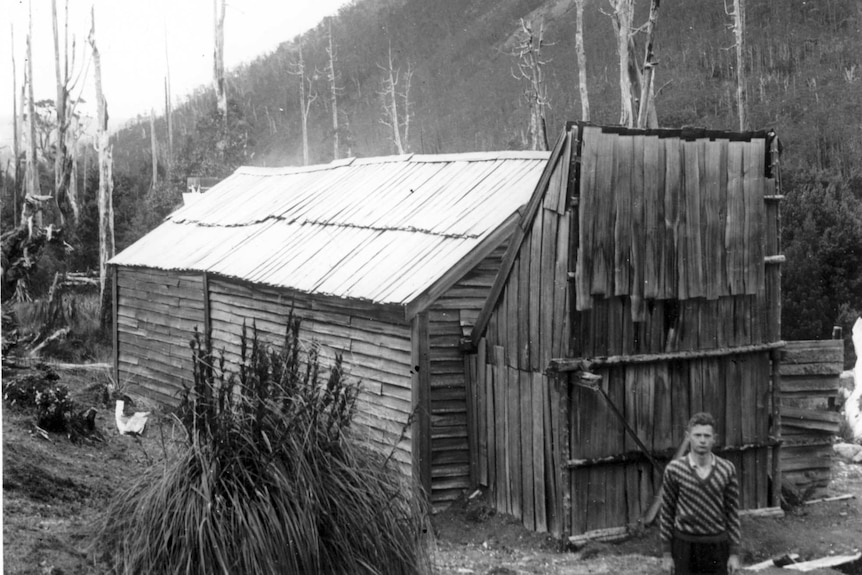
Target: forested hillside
[{"x": 803, "y": 70}]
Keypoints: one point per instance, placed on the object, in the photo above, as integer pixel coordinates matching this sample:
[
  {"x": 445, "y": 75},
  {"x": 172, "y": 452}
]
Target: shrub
[
  {"x": 21, "y": 391},
  {"x": 271, "y": 479},
  {"x": 54, "y": 408}
]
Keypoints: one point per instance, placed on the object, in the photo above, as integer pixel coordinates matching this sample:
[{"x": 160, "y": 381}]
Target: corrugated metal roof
[{"x": 379, "y": 229}]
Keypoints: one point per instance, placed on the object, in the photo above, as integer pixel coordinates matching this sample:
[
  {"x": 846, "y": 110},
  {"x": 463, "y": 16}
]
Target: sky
[{"x": 131, "y": 36}]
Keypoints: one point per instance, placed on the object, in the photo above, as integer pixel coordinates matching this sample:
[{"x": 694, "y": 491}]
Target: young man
[{"x": 700, "y": 507}]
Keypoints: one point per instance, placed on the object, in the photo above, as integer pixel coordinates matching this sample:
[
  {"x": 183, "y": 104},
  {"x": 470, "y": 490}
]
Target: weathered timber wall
[
  {"x": 451, "y": 318},
  {"x": 810, "y": 372},
  {"x": 373, "y": 340},
  {"x": 680, "y": 258},
  {"x": 156, "y": 315}
]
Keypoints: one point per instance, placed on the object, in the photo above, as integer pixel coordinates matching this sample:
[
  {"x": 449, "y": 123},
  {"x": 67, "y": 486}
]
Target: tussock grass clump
[{"x": 270, "y": 481}]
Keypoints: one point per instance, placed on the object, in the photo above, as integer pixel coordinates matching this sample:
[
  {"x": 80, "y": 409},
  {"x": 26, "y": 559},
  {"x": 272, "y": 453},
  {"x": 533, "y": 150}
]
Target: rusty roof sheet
[{"x": 378, "y": 229}]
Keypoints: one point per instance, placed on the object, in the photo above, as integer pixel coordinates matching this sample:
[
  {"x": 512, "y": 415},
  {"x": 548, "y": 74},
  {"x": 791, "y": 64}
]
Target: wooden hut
[
  {"x": 641, "y": 285},
  {"x": 387, "y": 261}
]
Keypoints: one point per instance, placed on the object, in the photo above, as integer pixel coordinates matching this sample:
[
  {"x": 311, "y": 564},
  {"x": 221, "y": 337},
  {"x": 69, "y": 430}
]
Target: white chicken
[{"x": 130, "y": 424}]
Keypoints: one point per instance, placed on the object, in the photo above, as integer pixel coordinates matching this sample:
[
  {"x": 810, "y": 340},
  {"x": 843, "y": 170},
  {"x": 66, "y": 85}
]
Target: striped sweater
[{"x": 695, "y": 506}]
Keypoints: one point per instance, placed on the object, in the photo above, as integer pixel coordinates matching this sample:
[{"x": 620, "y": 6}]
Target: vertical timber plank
[
  {"x": 513, "y": 429},
  {"x": 482, "y": 410},
  {"x": 535, "y": 263},
  {"x": 525, "y": 385},
  {"x": 539, "y": 454}
]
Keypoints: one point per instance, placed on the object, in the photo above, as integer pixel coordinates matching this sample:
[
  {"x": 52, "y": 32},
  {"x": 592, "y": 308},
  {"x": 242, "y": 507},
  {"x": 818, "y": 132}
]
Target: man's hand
[
  {"x": 667, "y": 563},
  {"x": 732, "y": 564}
]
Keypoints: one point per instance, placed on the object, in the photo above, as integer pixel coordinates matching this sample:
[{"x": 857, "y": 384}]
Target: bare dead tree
[
  {"x": 334, "y": 91},
  {"x": 60, "y": 105},
  {"x": 15, "y": 149},
  {"x": 529, "y": 70},
  {"x": 32, "y": 175},
  {"x": 738, "y": 16},
  {"x": 65, "y": 110},
  {"x": 169, "y": 153},
  {"x": 647, "y": 117},
  {"x": 622, "y": 18},
  {"x": 106, "y": 182},
  {"x": 582, "y": 61},
  {"x": 405, "y": 99},
  {"x": 307, "y": 95},
  {"x": 155, "y": 149},
  {"x": 218, "y": 59},
  {"x": 389, "y": 96}
]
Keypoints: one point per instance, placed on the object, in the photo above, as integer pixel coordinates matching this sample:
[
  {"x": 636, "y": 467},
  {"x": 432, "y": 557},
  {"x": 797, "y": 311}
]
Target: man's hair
[{"x": 701, "y": 418}]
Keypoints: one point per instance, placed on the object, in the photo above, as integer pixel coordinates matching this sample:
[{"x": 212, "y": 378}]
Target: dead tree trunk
[
  {"x": 405, "y": 98},
  {"x": 647, "y": 117},
  {"x": 169, "y": 153},
  {"x": 530, "y": 63},
  {"x": 15, "y": 119},
  {"x": 389, "y": 98},
  {"x": 155, "y": 149},
  {"x": 582, "y": 61},
  {"x": 218, "y": 60},
  {"x": 307, "y": 96},
  {"x": 106, "y": 184},
  {"x": 33, "y": 188},
  {"x": 333, "y": 93},
  {"x": 739, "y": 33},
  {"x": 622, "y": 17},
  {"x": 61, "y": 108}
]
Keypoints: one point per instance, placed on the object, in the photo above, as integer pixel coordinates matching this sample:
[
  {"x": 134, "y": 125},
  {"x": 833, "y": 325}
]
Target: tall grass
[{"x": 271, "y": 479}]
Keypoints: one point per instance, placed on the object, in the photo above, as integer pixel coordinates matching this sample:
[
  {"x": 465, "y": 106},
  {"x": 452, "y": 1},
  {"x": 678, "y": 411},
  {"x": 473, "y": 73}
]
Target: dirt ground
[{"x": 54, "y": 488}]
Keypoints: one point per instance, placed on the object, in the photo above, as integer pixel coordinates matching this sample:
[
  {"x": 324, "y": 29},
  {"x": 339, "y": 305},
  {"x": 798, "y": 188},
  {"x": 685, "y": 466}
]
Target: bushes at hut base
[{"x": 270, "y": 480}]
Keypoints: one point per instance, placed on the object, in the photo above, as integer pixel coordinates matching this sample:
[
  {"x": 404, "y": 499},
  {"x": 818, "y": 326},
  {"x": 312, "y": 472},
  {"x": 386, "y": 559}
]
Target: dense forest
[{"x": 457, "y": 87}]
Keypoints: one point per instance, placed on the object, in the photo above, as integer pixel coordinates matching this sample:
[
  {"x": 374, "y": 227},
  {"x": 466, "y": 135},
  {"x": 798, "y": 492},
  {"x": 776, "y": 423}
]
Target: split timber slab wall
[
  {"x": 155, "y": 314},
  {"x": 810, "y": 373},
  {"x": 678, "y": 311},
  {"x": 373, "y": 340},
  {"x": 450, "y": 319},
  {"x": 158, "y": 311}
]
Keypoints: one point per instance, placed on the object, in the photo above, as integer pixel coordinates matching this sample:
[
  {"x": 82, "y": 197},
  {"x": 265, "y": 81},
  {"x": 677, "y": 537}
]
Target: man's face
[{"x": 702, "y": 438}]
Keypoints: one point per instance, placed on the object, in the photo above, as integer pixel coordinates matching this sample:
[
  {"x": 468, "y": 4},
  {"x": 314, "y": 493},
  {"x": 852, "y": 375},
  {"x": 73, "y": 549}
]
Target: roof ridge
[
  {"x": 323, "y": 223},
  {"x": 416, "y": 158}
]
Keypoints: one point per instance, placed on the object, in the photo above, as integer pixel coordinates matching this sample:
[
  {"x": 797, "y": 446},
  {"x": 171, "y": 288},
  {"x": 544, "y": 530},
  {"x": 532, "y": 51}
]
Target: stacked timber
[{"x": 810, "y": 372}]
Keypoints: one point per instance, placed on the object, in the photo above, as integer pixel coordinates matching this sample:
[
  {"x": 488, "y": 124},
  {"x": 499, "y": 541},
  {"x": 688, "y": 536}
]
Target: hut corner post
[
  {"x": 421, "y": 384},
  {"x": 115, "y": 327}
]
